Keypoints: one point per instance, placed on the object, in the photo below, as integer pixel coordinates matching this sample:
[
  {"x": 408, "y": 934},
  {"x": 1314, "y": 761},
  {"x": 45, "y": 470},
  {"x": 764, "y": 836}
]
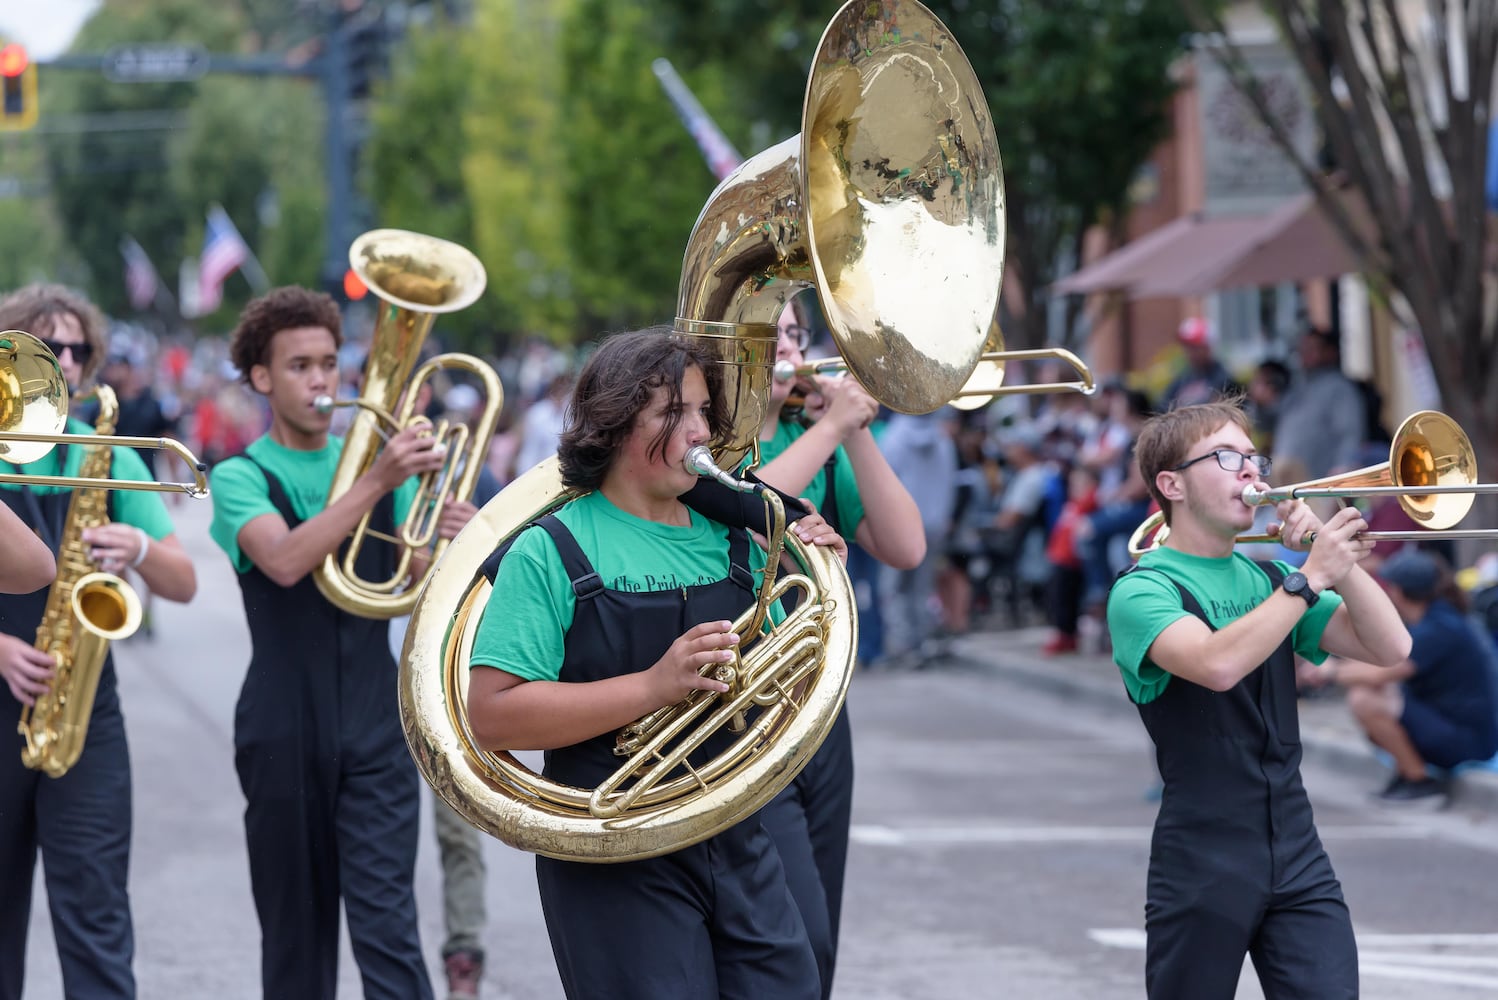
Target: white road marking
[
  {"x": 1440, "y": 967},
  {"x": 1001, "y": 833}
]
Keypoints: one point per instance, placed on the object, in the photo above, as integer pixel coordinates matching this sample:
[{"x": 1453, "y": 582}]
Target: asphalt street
[{"x": 1001, "y": 835}]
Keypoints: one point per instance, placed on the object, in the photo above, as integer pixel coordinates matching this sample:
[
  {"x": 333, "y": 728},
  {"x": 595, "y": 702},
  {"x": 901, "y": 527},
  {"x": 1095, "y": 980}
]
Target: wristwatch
[{"x": 1297, "y": 584}]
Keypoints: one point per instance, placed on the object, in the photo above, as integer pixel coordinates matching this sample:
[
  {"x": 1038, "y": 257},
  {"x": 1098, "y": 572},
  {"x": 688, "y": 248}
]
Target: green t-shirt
[
  {"x": 849, "y": 501},
  {"x": 240, "y": 492},
  {"x": 1142, "y": 605},
  {"x": 523, "y": 630},
  {"x": 142, "y": 508}
]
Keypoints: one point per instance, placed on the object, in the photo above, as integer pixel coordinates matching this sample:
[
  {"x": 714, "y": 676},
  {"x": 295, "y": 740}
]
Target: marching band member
[
  {"x": 332, "y": 795},
  {"x": 80, "y": 821},
  {"x": 836, "y": 463},
  {"x": 1206, "y": 640},
  {"x": 560, "y": 666}
]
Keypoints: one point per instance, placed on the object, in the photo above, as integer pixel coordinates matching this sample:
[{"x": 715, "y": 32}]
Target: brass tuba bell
[{"x": 890, "y": 204}]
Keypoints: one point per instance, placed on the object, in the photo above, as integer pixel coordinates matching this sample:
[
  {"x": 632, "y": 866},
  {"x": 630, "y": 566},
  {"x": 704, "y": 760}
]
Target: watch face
[{"x": 1295, "y": 582}]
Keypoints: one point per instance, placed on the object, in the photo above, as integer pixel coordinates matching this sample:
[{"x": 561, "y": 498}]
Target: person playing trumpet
[
  {"x": 332, "y": 795},
  {"x": 1206, "y": 640},
  {"x": 602, "y": 613},
  {"x": 80, "y": 821}
]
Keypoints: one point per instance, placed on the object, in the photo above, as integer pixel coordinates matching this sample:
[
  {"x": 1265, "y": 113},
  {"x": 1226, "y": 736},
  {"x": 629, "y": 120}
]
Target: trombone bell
[
  {"x": 33, "y": 397},
  {"x": 34, "y": 414}
]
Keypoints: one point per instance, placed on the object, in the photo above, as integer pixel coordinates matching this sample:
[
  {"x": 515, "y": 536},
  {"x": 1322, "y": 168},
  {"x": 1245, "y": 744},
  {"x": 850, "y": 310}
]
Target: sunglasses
[
  {"x": 81, "y": 352},
  {"x": 1229, "y": 461}
]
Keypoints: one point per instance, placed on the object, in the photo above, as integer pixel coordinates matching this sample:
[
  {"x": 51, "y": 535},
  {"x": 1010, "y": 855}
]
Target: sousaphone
[{"x": 890, "y": 204}]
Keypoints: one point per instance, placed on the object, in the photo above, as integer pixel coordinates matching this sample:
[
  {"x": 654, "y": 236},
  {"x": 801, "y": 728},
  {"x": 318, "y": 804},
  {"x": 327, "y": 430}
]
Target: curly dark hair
[
  {"x": 615, "y": 386},
  {"x": 285, "y": 308},
  {"x": 35, "y": 308}
]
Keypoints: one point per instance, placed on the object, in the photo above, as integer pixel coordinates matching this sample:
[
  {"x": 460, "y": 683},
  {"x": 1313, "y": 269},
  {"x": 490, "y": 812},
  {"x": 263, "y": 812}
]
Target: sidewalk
[{"x": 1328, "y": 733}]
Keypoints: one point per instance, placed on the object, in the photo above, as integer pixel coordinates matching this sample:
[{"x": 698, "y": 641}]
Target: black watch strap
[{"x": 1297, "y": 584}]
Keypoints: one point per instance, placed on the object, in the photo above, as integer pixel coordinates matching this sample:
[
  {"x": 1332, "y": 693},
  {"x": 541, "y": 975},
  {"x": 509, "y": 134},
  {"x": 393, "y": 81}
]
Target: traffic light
[{"x": 17, "y": 88}]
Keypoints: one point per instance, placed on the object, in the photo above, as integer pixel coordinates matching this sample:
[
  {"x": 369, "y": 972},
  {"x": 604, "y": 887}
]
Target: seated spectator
[{"x": 1438, "y": 708}]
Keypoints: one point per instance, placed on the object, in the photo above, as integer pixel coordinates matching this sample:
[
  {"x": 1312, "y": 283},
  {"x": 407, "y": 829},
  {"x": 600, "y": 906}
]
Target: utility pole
[{"x": 353, "y": 53}]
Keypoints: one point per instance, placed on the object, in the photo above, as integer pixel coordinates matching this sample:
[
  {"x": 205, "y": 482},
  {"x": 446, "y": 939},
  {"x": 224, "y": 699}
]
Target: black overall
[
  {"x": 708, "y": 921},
  {"x": 81, "y": 821},
  {"x": 1236, "y": 866},
  {"x": 809, "y": 819},
  {"x": 332, "y": 795}
]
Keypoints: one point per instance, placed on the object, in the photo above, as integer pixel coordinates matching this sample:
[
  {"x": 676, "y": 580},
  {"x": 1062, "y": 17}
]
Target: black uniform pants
[
  {"x": 1298, "y": 933},
  {"x": 809, "y": 823},
  {"x": 702, "y": 923},
  {"x": 81, "y": 823},
  {"x": 320, "y": 830}
]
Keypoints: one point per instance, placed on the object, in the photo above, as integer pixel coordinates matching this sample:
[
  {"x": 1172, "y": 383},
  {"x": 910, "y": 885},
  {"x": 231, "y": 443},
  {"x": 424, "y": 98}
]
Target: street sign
[{"x": 167, "y": 63}]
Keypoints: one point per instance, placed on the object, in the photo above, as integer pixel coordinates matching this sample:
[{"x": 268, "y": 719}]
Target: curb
[{"x": 1477, "y": 789}]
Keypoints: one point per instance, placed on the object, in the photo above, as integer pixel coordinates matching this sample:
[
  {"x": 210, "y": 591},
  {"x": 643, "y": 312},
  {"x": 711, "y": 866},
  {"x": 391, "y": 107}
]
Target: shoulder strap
[
  {"x": 829, "y": 499},
  {"x": 1188, "y": 600},
  {"x": 738, "y": 559},
  {"x": 278, "y": 497}
]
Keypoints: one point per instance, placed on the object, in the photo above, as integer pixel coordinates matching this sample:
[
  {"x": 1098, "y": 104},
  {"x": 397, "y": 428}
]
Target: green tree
[
  {"x": 146, "y": 160},
  {"x": 512, "y": 130},
  {"x": 1079, "y": 91},
  {"x": 634, "y": 180}
]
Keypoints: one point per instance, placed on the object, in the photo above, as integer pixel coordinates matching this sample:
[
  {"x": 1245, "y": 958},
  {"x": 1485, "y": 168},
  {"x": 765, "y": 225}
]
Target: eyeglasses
[
  {"x": 1229, "y": 461},
  {"x": 81, "y": 351},
  {"x": 800, "y": 334}
]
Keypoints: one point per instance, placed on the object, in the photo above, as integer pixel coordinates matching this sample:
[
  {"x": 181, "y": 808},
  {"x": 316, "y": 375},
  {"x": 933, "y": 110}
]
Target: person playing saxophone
[{"x": 81, "y": 819}]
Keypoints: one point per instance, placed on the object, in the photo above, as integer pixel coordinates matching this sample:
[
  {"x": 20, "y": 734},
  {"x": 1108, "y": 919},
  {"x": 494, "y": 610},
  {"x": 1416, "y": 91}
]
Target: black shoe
[{"x": 1401, "y": 789}]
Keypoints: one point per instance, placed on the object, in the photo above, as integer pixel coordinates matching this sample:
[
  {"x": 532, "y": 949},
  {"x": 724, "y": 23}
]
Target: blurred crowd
[{"x": 1029, "y": 502}]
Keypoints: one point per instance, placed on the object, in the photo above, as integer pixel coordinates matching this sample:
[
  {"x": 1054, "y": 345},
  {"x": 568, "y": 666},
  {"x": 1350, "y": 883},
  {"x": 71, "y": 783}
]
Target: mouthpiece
[
  {"x": 783, "y": 371},
  {"x": 323, "y": 405},
  {"x": 1253, "y": 496},
  {"x": 699, "y": 462}
]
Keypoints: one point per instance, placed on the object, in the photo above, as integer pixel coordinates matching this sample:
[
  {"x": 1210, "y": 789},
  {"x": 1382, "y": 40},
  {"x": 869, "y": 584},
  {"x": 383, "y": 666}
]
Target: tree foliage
[
  {"x": 583, "y": 185},
  {"x": 1404, "y": 100},
  {"x": 146, "y": 160},
  {"x": 1079, "y": 91}
]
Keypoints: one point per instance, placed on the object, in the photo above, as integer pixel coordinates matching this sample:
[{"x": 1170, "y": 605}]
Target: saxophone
[{"x": 85, "y": 611}]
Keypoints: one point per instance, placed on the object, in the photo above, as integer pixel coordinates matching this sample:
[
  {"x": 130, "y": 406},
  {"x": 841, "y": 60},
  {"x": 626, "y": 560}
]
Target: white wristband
[{"x": 145, "y": 544}]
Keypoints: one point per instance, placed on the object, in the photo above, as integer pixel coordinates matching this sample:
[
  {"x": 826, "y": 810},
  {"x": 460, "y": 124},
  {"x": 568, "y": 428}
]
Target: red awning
[{"x": 1195, "y": 255}]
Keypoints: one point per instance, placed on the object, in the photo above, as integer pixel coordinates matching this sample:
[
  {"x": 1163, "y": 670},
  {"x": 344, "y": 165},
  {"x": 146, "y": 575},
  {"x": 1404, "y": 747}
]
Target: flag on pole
[
  {"x": 224, "y": 252},
  {"x": 141, "y": 280},
  {"x": 187, "y": 288},
  {"x": 719, "y": 153}
]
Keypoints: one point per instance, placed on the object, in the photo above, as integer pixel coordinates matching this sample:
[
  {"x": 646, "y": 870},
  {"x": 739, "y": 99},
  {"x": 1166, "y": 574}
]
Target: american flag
[
  {"x": 141, "y": 281},
  {"x": 224, "y": 252}
]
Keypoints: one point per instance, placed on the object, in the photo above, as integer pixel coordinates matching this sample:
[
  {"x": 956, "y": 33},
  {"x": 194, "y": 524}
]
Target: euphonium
[
  {"x": 415, "y": 278},
  {"x": 86, "y": 611},
  {"x": 890, "y": 204}
]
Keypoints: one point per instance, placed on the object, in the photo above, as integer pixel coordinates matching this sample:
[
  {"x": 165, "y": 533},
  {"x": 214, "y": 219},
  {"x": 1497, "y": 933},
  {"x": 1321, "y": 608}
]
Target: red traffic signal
[
  {"x": 17, "y": 88},
  {"x": 13, "y": 60}
]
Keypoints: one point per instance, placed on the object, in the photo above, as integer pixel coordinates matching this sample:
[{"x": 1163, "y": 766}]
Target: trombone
[
  {"x": 983, "y": 385},
  {"x": 34, "y": 412},
  {"x": 1432, "y": 470}
]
